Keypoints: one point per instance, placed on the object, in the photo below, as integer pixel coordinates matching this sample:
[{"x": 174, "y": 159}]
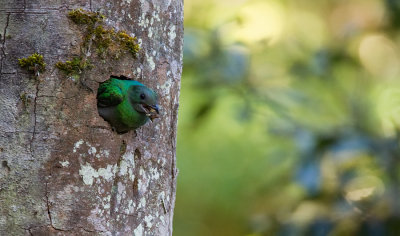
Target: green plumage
[{"x": 126, "y": 104}]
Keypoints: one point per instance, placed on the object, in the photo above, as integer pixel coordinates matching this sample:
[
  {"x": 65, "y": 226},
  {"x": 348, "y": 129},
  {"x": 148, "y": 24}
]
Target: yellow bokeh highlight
[
  {"x": 379, "y": 55},
  {"x": 364, "y": 187},
  {"x": 261, "y": 21}
]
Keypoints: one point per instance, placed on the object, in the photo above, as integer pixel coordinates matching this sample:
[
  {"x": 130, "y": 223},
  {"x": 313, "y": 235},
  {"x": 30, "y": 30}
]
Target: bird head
[{"x": 144, "y": 100}]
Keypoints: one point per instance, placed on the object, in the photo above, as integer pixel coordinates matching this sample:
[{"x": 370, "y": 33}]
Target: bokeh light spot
[{"x": 379, "y": 56}]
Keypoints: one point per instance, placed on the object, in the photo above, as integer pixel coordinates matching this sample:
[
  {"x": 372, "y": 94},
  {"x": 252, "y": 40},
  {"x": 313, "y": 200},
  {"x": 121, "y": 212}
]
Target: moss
[
  {"x": 106, "y": 41},
  {"x": 26, "y": 99},
  {"x": 23, "y": 97},
  {"x": 82, "y": 17},
  {"x": 128, "y": 42},
  {"x": 75, "y": 66},
  {"x": 33, "y": 63},
  {"x": 103, "y": 38}
]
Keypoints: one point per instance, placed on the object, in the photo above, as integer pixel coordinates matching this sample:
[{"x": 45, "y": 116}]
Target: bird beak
[
  {"x": 154, "y": 108},
  {"x": 153, "y": 112}
]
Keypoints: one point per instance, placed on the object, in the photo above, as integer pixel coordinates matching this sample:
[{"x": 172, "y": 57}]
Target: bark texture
[{"x": 63, "y": 171}]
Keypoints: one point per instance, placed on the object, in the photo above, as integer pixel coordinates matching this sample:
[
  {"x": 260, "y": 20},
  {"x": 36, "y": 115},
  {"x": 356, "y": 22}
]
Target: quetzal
[{"x": 126, "y": 104}]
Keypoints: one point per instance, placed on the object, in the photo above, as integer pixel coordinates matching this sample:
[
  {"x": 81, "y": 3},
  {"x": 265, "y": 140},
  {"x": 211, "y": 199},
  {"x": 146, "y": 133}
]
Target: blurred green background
[{"x": 289, "y": 118}]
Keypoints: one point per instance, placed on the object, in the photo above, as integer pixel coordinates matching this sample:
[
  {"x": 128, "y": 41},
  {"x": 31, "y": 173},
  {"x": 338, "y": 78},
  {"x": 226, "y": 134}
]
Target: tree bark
[{"x": 63, "y": 170}]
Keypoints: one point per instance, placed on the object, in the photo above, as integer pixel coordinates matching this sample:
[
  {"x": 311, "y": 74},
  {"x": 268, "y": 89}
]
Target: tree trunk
[{"x": 63, "y": 170}]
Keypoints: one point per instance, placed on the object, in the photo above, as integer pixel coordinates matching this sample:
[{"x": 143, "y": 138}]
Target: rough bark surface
[{"x": 63, "y": 171}]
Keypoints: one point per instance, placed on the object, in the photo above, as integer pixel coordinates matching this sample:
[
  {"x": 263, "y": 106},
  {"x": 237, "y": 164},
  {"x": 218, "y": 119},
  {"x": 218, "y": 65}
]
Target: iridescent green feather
[{"x": 117, "y": 100}]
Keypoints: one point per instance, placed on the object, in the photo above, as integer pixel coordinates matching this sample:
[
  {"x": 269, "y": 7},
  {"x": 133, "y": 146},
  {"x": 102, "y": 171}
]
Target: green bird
[{"x": 126, "y": 104}]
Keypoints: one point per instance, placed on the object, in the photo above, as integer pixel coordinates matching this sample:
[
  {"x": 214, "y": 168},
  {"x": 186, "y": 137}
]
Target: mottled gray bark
[{"x": 63, "y": 171}]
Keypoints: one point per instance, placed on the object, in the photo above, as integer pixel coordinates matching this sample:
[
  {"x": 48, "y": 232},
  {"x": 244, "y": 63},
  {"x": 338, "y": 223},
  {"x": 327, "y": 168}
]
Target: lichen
[
  {"x": 34, "y": 63},
  {"x": 64, "y": 163},
  {"x": 89, "y": 174},
  {"x": 77, "y": 145},
  {"x": 150, "y": 61},
  {"x": 139, "y": 230}
]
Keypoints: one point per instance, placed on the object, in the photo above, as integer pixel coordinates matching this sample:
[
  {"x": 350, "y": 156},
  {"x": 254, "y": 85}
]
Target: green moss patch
[
  {"x": 75, "y": 66},
  {"x": 34, "y": 63},
  {"x": 82, "y": 17},
  {"x": 128, "y": 42},
  {"x": 105, "y": 41}
]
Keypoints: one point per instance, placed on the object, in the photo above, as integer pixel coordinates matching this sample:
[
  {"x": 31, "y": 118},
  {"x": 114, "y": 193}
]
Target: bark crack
[
  {"x": 63, "y": 230},
  {"x": 58, "y": 97},
  {"x": 48, "y": 205},
  {"x": 3, "y": 44},
  {"x": 49, "y": 212},
  {"x": 97, "y": 127},
  {"x": 33, "y": 11},
  {"x": 174, "y": 171},
  {"x": 135, "y": 184},
  {"x": 114, "y": 189},
  {"x": 34, "y": 117},
  {"x": 91, "y": 231},
  {"x": 138, "y": 216}
]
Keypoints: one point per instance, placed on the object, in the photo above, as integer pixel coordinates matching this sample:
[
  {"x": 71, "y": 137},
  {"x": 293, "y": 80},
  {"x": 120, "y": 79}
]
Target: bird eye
[{"x": 142, "y": 96}]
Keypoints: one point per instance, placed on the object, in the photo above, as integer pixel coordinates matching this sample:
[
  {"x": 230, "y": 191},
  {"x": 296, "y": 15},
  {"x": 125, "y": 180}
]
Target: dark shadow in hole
[
  {"x": 138, "y": 155},
  {"x": 4, "y": 165}
]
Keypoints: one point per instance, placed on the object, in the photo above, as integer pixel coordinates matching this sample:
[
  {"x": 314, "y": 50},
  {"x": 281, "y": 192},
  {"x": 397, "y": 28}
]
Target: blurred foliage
[{"x": 289, "y": 118}]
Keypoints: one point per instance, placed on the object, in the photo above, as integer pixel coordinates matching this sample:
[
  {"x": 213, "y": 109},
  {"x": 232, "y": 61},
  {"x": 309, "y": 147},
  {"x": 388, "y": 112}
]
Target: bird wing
[{"x": 109, "y": 94}]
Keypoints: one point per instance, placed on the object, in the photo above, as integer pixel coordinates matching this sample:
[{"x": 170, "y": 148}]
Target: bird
[{"x": 126, "y": 104}]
